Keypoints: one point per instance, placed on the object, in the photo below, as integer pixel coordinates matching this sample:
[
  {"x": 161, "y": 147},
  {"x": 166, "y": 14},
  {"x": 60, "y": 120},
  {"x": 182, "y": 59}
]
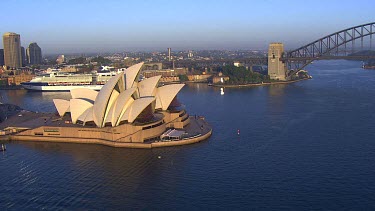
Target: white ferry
[{"x": 58, "y": 81}]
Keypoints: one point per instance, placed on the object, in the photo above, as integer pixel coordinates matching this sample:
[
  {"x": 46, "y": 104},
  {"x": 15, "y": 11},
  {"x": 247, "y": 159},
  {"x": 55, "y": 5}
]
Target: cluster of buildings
[{"x": 14, "y": 57}]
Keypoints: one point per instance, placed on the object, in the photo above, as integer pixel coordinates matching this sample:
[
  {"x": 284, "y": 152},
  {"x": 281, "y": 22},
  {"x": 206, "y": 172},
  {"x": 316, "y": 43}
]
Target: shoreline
[
  {"x": 186, "y": 141},
  {"x": 259, "y": 84}
]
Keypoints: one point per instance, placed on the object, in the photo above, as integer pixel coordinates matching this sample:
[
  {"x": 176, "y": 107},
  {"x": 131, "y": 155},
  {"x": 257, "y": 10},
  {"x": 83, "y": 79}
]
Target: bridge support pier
[{"x": 276, "y": 68}]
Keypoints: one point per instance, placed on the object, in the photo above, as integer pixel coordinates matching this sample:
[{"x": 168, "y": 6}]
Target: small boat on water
[
  {"x": 369, "y": 65},
  {"x": 221, "y": 91},
  {"x": 3, "y": 148}
]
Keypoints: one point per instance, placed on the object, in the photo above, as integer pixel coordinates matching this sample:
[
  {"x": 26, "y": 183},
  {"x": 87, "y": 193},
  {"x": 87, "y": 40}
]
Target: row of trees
[
  {"x": 240, "y": 75},
  {"x": 82, "y": 60}
]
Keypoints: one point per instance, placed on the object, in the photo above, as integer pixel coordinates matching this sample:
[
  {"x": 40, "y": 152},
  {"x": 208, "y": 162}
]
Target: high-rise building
[
  {"x": 12, "y": 50},
  {"x": 1, "y": 57},
  {"x": 34, "y": 54},
  {"x": 276, "y": 68},
  {"x": 169, "y": 54},
  {"x": 23, "y": 56}
]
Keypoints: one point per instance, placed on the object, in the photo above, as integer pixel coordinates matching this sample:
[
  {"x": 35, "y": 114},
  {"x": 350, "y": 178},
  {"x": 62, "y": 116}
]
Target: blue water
[{"x": 308, "y": 145}]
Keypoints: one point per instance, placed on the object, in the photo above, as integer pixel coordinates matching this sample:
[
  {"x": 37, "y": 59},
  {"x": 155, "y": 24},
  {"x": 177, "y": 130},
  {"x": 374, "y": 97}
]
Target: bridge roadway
[{"x": 328, "y": 58}]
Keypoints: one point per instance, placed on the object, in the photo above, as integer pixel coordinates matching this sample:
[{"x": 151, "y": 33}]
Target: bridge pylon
[{"x": 277, "y": 69}]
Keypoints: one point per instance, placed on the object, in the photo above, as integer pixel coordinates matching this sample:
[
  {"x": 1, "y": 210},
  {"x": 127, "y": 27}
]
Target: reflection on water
[{"x": 277, "y": 90}]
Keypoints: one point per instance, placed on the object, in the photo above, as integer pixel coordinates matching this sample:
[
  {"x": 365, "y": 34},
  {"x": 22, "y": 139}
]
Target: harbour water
[{"x": 307, "y": 145}]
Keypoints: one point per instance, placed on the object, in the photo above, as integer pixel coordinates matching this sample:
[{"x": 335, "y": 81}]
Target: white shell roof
[
  {"x": 105, "y": 95},
  {"x": 84, "y": 93},
  {"x": 165, "y": 95},
  {"x": 108, "y": 114},
  {"x": 148, "y": 86},
  {"x": 62, "y": 106},
  {"x": 77, "y": 108},
  {"x": 123, "y": 102},
  {"x": 115, "y": 103},
  {"x": 131, "y": 74},
  {"x": 86, "y": 116},
  {"x": 136, "y": 108}
]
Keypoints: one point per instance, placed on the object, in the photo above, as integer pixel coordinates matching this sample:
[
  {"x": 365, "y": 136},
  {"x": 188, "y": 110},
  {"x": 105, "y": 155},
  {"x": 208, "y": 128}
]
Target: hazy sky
[{"x": 63, "y": 26}]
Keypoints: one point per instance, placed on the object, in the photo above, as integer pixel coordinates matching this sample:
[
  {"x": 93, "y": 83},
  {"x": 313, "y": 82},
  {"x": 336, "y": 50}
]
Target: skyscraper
[
  {"x": 12, "y": 50},
  {"x": 23, "y": 56},
  {"x": 1, "y": 57},
  {"x": 34, "y": 54}
]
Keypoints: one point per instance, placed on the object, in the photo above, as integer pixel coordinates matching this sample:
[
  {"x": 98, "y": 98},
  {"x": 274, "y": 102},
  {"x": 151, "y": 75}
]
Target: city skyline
[{"x": 96, "y": 26}]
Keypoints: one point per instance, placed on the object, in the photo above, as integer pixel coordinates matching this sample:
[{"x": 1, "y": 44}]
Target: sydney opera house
[{"x": 126, "y": 112}]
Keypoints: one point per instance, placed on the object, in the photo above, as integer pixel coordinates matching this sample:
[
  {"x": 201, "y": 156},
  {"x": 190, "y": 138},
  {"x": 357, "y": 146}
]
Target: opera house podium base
[{"x": 46, "y": 127}]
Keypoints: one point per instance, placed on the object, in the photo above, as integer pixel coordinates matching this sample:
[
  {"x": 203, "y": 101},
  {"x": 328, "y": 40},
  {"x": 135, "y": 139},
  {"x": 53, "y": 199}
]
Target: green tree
[
  {"x": 240, "y": 75},
  {"x": 79, "y": 60},
  {"x": 183, "y": 78},
  {"x": 101, "y": 60}
]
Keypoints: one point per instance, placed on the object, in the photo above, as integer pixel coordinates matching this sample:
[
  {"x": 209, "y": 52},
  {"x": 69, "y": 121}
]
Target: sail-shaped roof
[
  {"x": 84, "y": 93},
  {"x": 165, "y": 95},
  {"x": 106, "y": 96},
  {"x": 148, "y": 86},
  {"x": 62, "y": 106},
  {"x": 136, "y": 108},
  {"x": 131, "y": 74},
  {"x": 77, "y": 108},
  {"x": 122, "y": 98}
]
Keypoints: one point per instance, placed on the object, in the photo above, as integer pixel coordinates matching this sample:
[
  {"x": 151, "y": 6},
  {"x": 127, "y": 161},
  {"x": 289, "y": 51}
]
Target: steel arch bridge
[{"x": 332, "y": 46}]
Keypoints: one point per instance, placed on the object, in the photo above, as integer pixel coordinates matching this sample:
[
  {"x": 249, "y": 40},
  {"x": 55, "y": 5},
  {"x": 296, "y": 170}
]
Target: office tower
[
  {"x": 1, "y": 57},
  {"x": 276, "y": 68},
  {"x": 12, "y": 50},
  {"x": 169, "y": 54},
  {"x": 34, "y": 54},
  {"x": 23, "y": 56}
]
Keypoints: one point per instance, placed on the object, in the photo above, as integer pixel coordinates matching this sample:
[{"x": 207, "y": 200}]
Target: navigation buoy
[{"x": 238, "y": 132}]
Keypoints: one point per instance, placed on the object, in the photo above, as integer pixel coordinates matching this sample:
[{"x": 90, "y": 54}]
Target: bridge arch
[{"x": 299, "y": 58}]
